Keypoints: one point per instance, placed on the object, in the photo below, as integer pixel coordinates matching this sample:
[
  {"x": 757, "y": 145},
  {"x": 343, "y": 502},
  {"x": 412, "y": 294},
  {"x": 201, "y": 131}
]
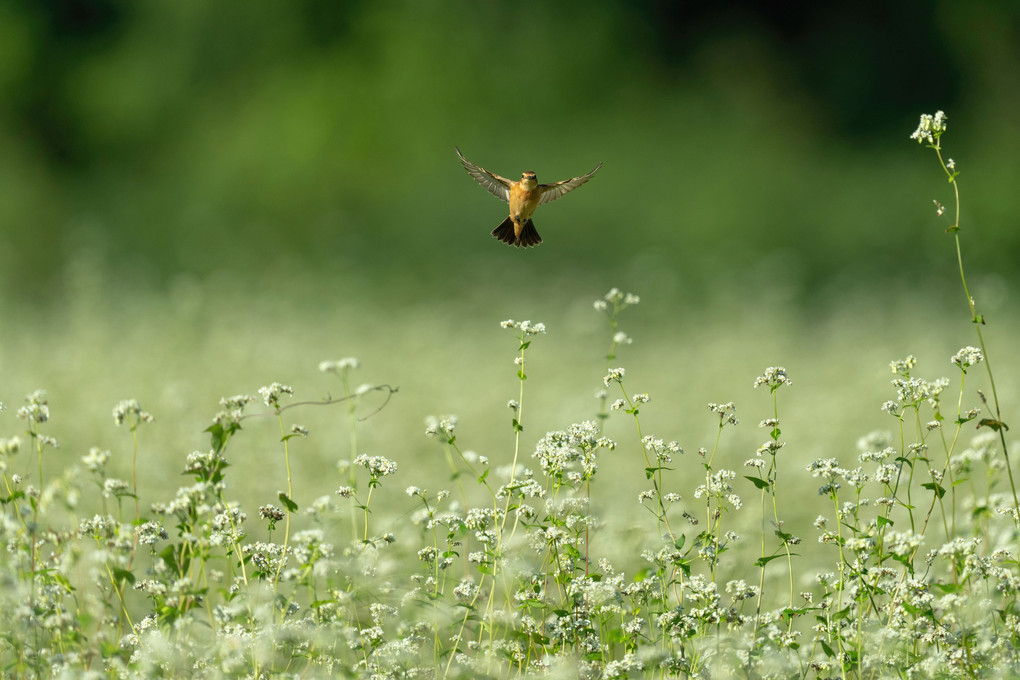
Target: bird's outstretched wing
[
  {"x": 550, "y": 192},
  {"x": 497, "y": 186}
]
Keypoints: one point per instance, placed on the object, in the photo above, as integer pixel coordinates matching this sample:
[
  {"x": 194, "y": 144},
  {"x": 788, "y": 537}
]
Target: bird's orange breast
[{"x": 522, "y": 201}]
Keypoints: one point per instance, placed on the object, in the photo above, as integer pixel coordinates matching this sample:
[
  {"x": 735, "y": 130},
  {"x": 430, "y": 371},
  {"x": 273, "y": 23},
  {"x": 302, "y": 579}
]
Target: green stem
[
  {"x": 978, "y": 321},
  {"x": 290, "y": 494}
]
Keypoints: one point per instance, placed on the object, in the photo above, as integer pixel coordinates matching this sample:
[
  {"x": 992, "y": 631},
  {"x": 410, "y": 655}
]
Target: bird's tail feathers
[
  {"x": 505, "y": 231},
  {"x": 529, "y": 235}
]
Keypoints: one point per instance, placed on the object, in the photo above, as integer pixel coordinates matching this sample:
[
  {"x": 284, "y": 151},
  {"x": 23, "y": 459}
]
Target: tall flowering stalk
[
  {"x": 271, "y": 395},
  {"x": 524, "y": 331},
  {"x": 930, "y": 129},
  {"x": 343, "y": 368},
  {"x": 35, "y": 412},
  {"x": 716, "y": 490},
  {"x": 130, "y": 413},
  {"x": 611, "y": 304},
  {"x": 774, "y": 377}
]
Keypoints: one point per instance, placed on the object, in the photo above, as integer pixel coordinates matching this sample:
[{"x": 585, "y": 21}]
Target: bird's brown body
[
  {"x": 523, "y": 196},
  {"x": 523, "y": 201}
]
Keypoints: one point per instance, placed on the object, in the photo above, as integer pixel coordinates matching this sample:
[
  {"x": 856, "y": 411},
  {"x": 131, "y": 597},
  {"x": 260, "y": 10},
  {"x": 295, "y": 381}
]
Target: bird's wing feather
[
  {"x": 497, "y": 186},
  {"x": 550, "y": 192}
]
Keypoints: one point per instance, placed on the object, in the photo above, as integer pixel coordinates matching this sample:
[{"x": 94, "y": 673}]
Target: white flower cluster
[
  {"x": 525, "y": 327},
  {"x": 930, "y": 128},
  {"x": 377, "y": 466},
  {"x": 967, "y": 357},
  {"x": 130, "y": 410},
  {"x": 271, "y": 393},
  {"x": 339, "y": 365},
  {"x": 774, "y": 377}
]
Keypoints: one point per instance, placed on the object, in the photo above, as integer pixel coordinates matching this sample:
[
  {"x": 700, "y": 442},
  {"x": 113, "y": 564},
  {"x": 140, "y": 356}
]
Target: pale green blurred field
[{"x": 179, "y": 351}]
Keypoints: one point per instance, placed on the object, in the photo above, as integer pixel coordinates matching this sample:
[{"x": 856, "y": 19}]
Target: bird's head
[{"x": 528, "y": 179}]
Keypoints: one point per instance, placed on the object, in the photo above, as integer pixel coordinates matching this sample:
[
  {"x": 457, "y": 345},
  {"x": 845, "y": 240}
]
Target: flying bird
[{"x": 523, "y": 196}]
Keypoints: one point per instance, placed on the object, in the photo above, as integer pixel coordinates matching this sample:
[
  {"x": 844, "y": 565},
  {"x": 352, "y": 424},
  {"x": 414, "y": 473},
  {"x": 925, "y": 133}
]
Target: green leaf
[
  {"x": 221, "y": 435},
  {"x": 758, "y": 482},
  {"x": 993, "y": 424},
  {"x": 288, "y": 503},
  {"x": 62, "y": 580},
  {"x": 762, "y": 561},
  {"x": 124, "y": 575},
  {"x": 937, "y": 489},
  {"x": 841, "y": 614},
  {"x": 793, "y": 612},
  {"x": 13, "y": 497},
  {"x": 216, "y": 432},
  {"x": 884, "y": 521},
  {"x": 533, "y": 603},
  {"x": 980, "y": 511}
]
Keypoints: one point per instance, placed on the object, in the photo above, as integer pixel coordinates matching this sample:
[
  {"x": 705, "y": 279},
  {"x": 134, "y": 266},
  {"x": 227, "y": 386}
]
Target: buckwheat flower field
[{"x": 595, "y": 487}]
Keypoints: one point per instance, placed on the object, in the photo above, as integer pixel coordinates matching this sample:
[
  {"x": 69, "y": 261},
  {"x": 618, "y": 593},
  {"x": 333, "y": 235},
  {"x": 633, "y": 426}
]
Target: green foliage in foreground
[{"x": 512, "y": 574}]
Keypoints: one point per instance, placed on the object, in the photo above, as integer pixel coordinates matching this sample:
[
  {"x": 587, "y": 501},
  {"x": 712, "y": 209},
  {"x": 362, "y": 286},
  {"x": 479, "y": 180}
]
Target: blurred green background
[
  {"x": 742, "y": 144},
  {"x": 197, "y": 198}
]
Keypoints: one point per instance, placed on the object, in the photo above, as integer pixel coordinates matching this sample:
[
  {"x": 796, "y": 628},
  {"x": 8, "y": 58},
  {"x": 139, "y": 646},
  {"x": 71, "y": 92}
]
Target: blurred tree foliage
[{"x": 740, "y": 140}]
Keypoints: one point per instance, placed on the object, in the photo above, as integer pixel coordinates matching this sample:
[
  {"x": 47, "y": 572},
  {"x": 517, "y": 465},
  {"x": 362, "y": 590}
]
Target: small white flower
[
  {"x": 774, "y": 377},
  {"x": 614, "y": 375},
  {"x": 339, "y": 365},
  {"x": 930, "y": 128},
  {"x": 131, "y": 411},
  {"x": 967, "y": 357},
  {"x": 271, "y": 393}
]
